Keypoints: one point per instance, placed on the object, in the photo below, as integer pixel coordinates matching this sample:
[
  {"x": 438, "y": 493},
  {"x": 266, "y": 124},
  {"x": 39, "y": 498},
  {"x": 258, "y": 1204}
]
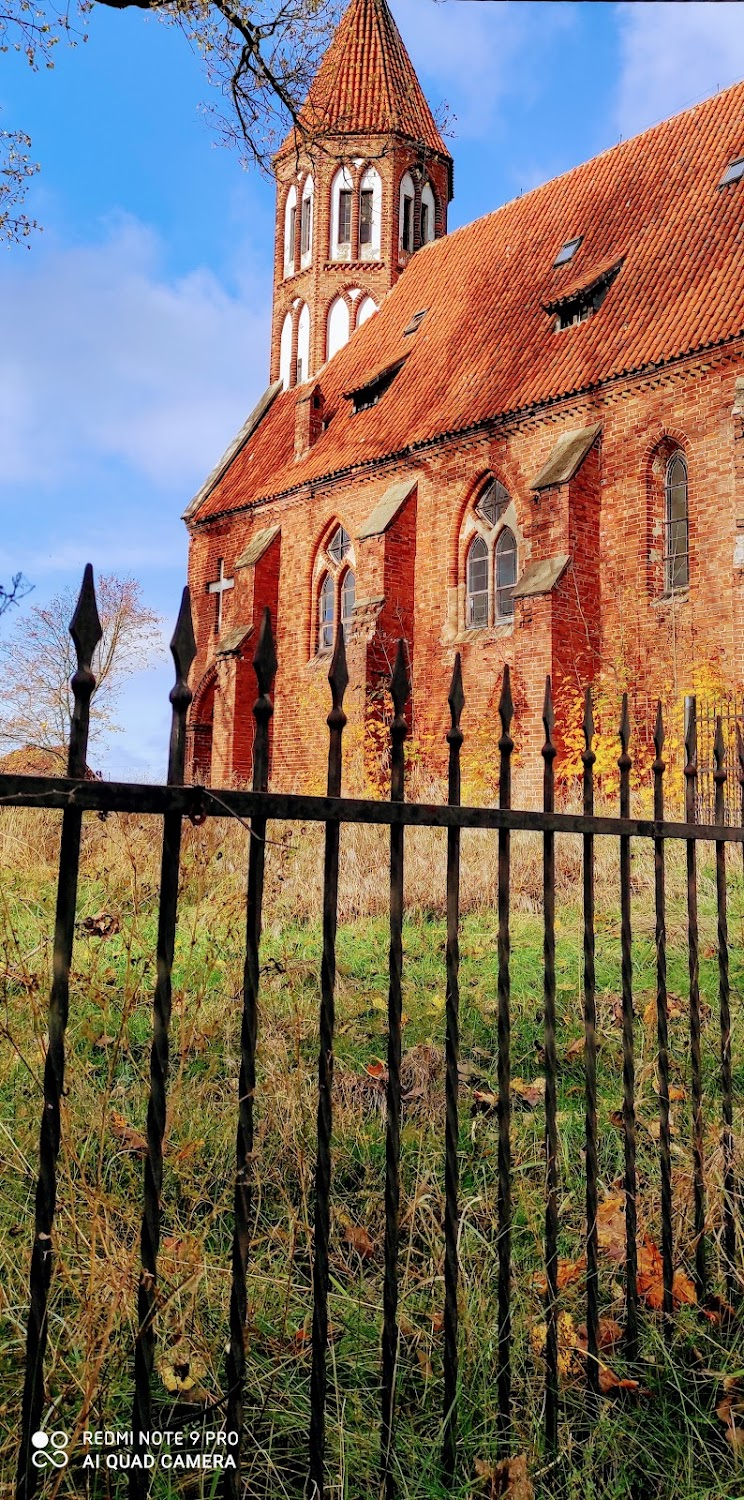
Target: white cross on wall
[{"x": 219, "y": 587}]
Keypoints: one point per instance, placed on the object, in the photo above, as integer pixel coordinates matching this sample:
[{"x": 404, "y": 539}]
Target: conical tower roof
[{"x": 367, "y": 84}]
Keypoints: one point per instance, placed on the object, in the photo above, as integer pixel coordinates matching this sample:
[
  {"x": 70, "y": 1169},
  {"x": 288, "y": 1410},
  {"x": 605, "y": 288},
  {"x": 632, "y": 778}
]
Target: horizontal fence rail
[{"x": 76, "y": 795}]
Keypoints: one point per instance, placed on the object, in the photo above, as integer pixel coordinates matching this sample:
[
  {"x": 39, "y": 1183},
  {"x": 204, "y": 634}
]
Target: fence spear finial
[
  {"x": 588, "y": 721},
  {"x": 85, "y": 625},
  {"x": 183, "y": 644},
  {"x": 456, "y": 698},
  {"x": 659, "y": 731},
  {"x": 624, "y": 726},
  {"x": 338, "y": 672},
  {"x": 264, "y": 660},
  {"x": 548, "y": 714},
  {"x": 400, "y": 686},
  {"x": 506, "y": 703}
]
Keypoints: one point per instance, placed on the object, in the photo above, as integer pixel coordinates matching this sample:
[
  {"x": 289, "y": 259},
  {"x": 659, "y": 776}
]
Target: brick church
[{"x": 522, "y": 441}]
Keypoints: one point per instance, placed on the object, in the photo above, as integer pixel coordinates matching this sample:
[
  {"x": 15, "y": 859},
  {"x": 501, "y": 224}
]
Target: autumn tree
[
  {"x": 13, "y": 592},
  {"x": 259, "y": 58},
  {"x": 37, "y": 660}
]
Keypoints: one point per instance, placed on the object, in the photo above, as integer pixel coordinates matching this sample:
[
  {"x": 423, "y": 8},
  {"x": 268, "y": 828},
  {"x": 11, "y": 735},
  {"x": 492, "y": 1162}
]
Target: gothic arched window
[
  {"x": 370, "y": 214},
  {"x": 326, "y": 612},
  {"x": 306, "y": 223},
  {"x": 335, "y": 586},
  {"x": 290, "y": 232},
  {"x": 676, "y": 525},
  {"x": 366, "y": 309},
  {"x": 505, "y": 574},
  {"x": 341, "y": 196},
  {"x": 348, "y": 595},
  {"x": 405, "y": 212},
  {"x": 337, "y": 333},
  {"x": 477, "y": 583},
  {"x": 303, "y": 344},
  {"x": 428, "y": 214},
  {"x": 285, "y": 352}
]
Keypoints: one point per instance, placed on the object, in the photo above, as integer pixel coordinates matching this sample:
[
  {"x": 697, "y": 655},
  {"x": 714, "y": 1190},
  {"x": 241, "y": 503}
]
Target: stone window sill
[
  {"x": 680, "y": 596},
  {"x": 482, "y": 633}
]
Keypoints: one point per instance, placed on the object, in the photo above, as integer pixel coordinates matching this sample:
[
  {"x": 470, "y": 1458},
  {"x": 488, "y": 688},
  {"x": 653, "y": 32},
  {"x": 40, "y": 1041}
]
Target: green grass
[{"x": 667, "y": 1443}]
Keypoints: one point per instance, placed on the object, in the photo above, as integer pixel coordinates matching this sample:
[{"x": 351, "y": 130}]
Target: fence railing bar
[
  {"x": 183, "y": 650},
  {"x": 665, "y": 1159},
  {"x": 452, "y": 1060},
  {"x": 85, "y": 629},
  {"x": 264, "y": 663},
  {"x": 740, "y": 778},
  {"x": 400, "y": 689},
  {"x": 212, "y": 802},
  {"x": 590, "y": 1062},
  {"x": 729, "y": 1230},
  {"x": 504, "y": 1205},
  {"x": 551, "y": 1069},
  {"x": 696, "y": 1077},
  {"x": 338, "y": 678},
  {"x": 629, "y": 1121}
]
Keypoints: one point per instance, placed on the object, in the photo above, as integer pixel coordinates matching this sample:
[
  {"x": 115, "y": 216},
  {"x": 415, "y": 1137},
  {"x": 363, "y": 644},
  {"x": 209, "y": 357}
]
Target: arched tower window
[
  {"x": 477, "y": 583},
  {"x": 338, "y": 326},
  {"x": 370, "y": 215},
  {"x": 303, "y": 344},
  {"x": 341, "y": 197},
  {"x": 290, "y": 231},
  {"x": 326, "y": 612},
  {"x": 428, "y": 214},
  {"x": 306, "y": 224},
  {"x": 506, "y": 574},
  {"x": 285, "y": 352},
  {"x": 676, "y": 526},
  {"x": 406, "y": 207},
  {"x": 366, "y": 309}
]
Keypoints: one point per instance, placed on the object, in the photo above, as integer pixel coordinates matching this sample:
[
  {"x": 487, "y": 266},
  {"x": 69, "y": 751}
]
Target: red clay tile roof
[
  {"x": 366, "y": 83},
  {"x": 488, "y": 348}
]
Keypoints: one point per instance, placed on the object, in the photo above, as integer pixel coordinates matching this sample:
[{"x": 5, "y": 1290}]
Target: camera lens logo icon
[{"x": 50, "y": 1450}]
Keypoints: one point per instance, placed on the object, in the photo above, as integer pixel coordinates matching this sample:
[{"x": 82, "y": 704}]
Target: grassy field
[{"x": 667, "y": 1442}]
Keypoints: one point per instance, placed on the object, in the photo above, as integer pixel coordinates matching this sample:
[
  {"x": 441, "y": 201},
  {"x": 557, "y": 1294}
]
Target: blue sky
[{"x": 135, "y": 328}]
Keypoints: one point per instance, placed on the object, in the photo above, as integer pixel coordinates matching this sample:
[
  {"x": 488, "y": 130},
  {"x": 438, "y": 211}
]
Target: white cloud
[
  {"x": 105, "y": 357},
  {"x": 478, "y": 54},
  {"x": 673, "y": 54}
]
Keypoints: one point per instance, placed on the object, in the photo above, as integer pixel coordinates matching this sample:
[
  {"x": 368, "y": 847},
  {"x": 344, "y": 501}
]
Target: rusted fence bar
[
  {"x": 400, "y": 688},
  {"x": 452, "y": 1059},
  {"x": 504, "y": 1208},
  {"x": 551, "y": 1070},
  {"x": 665, "y": 1159},
  {"x": 590, "y": 1059},
  {"x": 724, "y": 1003},
  {"x": 85, "y": 629},
  {"x": 693, "y": 950},
  {"x": 629, "y": 1122},
  {"x": 264, "y": 663},
  {"x": 338, "y": 678},
  {"x": 183, "y": 650}
]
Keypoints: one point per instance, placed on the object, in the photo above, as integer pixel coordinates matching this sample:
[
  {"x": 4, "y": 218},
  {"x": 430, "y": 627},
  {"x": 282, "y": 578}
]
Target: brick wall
[{"x": 607, "y": 616}]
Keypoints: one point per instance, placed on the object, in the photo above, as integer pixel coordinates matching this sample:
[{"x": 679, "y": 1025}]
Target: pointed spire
[{"x": 367, "y": 84}]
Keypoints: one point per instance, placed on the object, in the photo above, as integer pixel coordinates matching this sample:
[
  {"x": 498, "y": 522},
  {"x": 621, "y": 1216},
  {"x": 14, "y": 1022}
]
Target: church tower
[{"x": 361, "y": 187}]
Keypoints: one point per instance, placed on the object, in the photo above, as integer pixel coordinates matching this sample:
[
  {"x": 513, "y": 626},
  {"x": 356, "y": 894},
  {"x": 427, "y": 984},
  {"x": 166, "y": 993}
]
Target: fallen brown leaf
[
  {"x": 129, "y": 1138},
  {"x": 104, "y": 924},
  {"x": 484, "y": 1102},
  {"x": 609, "y": 1382},
  {"x": 529, "y": 1094},
  {"x": 568, "y": 1271},
  {"x": 507, "y": 1480},
  {"x": 359, "y": 1239},
  {"x": 575, "y": 1049},
  {"x": 611, "y": 1226},
  {"x": 376, "y": 1069}
]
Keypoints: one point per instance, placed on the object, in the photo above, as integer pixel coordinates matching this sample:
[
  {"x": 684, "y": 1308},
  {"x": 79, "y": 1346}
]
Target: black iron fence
[{"x": 174, "y": 801}]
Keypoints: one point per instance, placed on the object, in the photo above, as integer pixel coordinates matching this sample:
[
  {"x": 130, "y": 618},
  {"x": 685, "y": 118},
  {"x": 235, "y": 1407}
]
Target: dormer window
[
  {"x": 370, "y": 393},
  {"x": 580, "y": 305},
  {"x": 567, "y": 251},
  {"x": 415, "y": 322},
  {"x": 734, "y": 172}
]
